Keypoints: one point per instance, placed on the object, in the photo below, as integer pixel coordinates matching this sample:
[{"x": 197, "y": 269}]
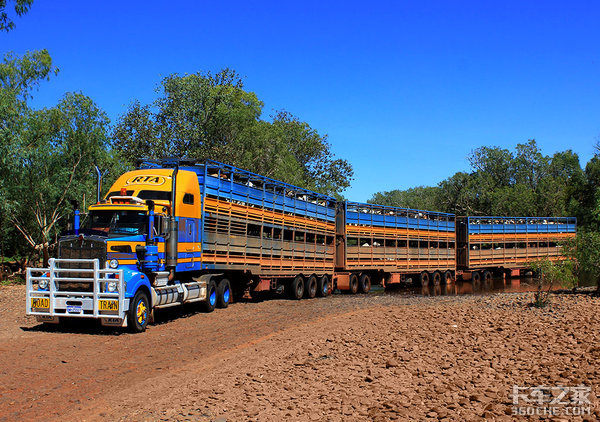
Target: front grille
[{"x": 79, "y": 247}]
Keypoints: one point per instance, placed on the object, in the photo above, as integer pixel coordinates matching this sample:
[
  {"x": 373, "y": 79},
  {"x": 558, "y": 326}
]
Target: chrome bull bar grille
[
  {"x": 93, "y": 301},
  {"x": 78, "y": 253}
]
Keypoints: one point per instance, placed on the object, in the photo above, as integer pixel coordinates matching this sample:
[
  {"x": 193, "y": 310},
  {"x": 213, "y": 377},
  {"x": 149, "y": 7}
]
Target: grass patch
[{"x": 13, "y": 280}]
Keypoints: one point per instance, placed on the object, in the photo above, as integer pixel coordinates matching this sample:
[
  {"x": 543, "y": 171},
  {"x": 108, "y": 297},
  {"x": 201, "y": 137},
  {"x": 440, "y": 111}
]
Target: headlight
[
  {"x": 111, "y": 286},
  {"x": 43, "y": 284},
  {"x": 113, "y": 264}
]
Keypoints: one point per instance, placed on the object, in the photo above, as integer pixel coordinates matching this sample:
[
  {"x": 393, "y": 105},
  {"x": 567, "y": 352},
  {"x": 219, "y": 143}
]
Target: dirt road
[{"x": 376, "y": 357}]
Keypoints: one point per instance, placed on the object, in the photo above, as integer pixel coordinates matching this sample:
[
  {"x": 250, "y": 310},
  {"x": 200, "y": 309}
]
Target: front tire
[{"x": 139, "y": 312}]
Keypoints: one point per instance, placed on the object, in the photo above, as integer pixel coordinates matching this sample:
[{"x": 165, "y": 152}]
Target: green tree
[
  {"x": 584, "y": 250},
  {"x": 421, "y": 197},
  {"x": 550, "y": 273},
  {"x": 20, "y": 7},
  {"x": 207, "y": 115},
  {"x": 19, "y": 77},
  {"x": 458, "y": 195},
  {"x": 502, "y": 182},
  {"x": 53, "y": 165}
]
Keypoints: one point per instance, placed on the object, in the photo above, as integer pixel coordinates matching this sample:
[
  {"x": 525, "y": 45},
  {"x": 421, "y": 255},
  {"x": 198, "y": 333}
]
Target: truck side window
[{"x": 188, "y": 198}]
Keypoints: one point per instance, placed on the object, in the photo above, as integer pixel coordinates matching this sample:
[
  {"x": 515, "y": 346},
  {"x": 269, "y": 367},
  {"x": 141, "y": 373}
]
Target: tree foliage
[
  {"x": 584, "y": 251},
  {"x": 19, "y": 7},
  {"x": 421, "y": 197},
  {"x": 503, "y": 182},
  {"x": 47, "y": 155},
  {"x": 207, "y": 115},
  {"x": 549, "y": 274}
]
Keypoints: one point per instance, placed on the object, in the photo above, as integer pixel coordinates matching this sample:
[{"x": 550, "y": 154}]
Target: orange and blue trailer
[
  {"x": 489, "y": 246},
  {"x": 389, "y": 245}
]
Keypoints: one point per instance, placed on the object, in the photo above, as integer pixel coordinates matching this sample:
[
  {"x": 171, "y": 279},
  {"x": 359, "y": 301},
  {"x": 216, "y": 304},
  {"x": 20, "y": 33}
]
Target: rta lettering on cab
[{"x": 146, "y": 180}]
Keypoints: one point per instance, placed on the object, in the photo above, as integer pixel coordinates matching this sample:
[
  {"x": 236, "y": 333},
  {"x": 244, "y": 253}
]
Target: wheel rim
[
  {"x": 213, "y": 297},
  {"x": 142, "y": 312},
  {"x": 226, "y": 296}
]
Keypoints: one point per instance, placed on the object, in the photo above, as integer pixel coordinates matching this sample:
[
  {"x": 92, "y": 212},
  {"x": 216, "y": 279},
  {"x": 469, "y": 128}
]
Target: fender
[{"x": 134, "y": 280}]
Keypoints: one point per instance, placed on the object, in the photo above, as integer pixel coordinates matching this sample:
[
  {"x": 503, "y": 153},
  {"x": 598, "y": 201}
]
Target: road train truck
[{"x": 174, "y": 232}]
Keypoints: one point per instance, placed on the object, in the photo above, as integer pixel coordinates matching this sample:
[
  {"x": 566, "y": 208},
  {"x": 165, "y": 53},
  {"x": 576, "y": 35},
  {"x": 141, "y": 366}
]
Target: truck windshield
[{"x": 118, "y": 222}]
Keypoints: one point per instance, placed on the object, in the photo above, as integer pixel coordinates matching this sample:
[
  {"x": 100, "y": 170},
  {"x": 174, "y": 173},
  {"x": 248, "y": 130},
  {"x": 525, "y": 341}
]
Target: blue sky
[{"x": 405, "y": 89}]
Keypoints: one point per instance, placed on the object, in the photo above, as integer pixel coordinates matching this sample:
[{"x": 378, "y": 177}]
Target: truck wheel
[
  {"x": 424, "y": 278},
  {"x": 211, "y": 297},
  {"x": 223, "y": 293},
  {"x": 487, "y": 276},
  {"x": 476, "y": 277},
  {"x": 139, "y": 312},
  {"x": 353, "y": 283},
  {"x": 323, "y": 286},
  {"x": 310, "y": 287},
  {"x": 437, "y": 278},
  {"x": 297, "y": 288},
  {"x": 365, "y": 283},
  {"x": 447, "y": 278}
]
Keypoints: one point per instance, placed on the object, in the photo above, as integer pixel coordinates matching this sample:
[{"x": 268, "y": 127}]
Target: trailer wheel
[
  {"x": 424, "y": 278},
  {"x": 353, "y": 283},
  {"x": 364, "y": 283},
  {"x": 447, "y": 278},
  {"x": 310, "y": 287},
  {"x": 297, "y": 288},
  {"x": 223, "y": 293},
  {"x": 487, "y": 276},
  {"x": 211, "y": 297},
  {"x": 437, "y": 278},
  {"x": 323, "y": 286},
  {"x": 139, "y": 312}
]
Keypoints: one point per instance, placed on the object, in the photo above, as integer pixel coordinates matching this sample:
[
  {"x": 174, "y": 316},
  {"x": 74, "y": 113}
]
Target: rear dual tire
[
  {"x": 297, "y": 288},
  {"x": 310, "y": 287},
  {"x": 323, "y": 286},
  {"x": 223, "y": 293},
  {"x": 364, "y": 283}
]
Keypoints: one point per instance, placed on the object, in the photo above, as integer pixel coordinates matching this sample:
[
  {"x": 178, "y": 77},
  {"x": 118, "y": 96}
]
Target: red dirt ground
[{"x": 375, "y": 357}]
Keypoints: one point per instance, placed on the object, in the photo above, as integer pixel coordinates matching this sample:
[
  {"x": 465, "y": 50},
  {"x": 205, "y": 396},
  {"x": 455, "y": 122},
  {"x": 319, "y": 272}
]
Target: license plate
[
  {"x": 40, "y": 302},
  {"x": 108, "y": 305},
  {"x": 74, "y": 309}
]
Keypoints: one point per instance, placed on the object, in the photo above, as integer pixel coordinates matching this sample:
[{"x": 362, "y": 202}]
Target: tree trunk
[{"x": 45, "y": 254}]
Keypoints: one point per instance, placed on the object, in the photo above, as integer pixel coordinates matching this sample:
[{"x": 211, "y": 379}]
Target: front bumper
[{"x": 50, "y": 304}]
